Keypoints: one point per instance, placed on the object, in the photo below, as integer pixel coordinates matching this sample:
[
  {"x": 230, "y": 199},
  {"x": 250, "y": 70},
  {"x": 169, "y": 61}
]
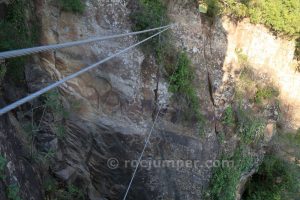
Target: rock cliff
[{"x": 117, "y": 101}]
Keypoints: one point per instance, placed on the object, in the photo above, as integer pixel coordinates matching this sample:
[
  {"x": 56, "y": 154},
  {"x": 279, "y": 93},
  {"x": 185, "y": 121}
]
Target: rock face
[
  {"x": 271, "y": 57},
  {"x": 17, "y": 172},
  {"x": 116, "y": 109},
  {"x": 117, "y": 100}
]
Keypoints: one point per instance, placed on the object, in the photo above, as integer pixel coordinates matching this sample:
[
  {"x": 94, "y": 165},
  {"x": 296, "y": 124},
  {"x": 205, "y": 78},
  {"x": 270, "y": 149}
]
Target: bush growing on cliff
[
  {"x": 15, "y": 34},
  {"x": 181, "y": 83},
  {"x": 76, "y": 6},
  {"x": 265, "y": 93},
  {"x": 54, "y": 190},
  {"x": 213, "y": 8},
  {"x": 153, "y": 13},
  {"x": 225, "y": 179},
  {"x": 274, "y": 179},
  {"x": 13, "y": 192},
  {"x": 150, "y": 14},
  {"x": 250, "y": 127},
  {"x": 297, "y": 53},
  {"x": 282, "y": 16},
  {"x": 3, "y": 162}
]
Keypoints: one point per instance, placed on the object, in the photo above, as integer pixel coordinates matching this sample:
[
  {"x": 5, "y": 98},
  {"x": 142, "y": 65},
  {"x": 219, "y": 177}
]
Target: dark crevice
[
  {"x": 156, "y": 95},
  {"x": 210, "y": 88}
]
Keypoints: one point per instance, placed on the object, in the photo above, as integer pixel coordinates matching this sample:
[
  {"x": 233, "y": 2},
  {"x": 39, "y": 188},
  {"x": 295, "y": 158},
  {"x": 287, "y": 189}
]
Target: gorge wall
[{"x": 118, "y": 99}]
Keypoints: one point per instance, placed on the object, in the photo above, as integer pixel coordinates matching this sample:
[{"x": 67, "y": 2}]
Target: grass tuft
[
  {"x": 250, "y": 127},
  {"x": 265, "y": 93},
  {"x": 228, "y": 117}
]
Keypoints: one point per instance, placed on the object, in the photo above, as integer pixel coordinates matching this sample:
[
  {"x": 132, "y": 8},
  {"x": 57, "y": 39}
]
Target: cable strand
[
  {"x": 74, "y": 75},
  {"x": 28, "y": 51},
  {"x": 142, "y": 153}
]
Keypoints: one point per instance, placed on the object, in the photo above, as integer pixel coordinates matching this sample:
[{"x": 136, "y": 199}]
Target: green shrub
[
  {"x": 214, "y": 8},
  {"x": 225, "y": 179},
  {"x": 250, "y": 127},
  {"x": 181, "y": 83},
  {"x": 282, "y": 16},
  {"x": 54, "y": 190},
  {"x": 3, "y": 162},
  {"x": 16, "y": 34},
  {"x": 53, "y": 102},
  {"x": 13, "y": 192},
  {"x": 76, "y": 6},
  {"x": 182, "y": 79},
  {"x": 276, "y": 179},
  {"x": 60, "y": 131},
  {"x": 150, "y": 14},
  {"x": 265, "y": 93},
  {"x": 228, "y": 118},
  {"x": 297, "y": 53},
  {"x": 242, "y": 58}
]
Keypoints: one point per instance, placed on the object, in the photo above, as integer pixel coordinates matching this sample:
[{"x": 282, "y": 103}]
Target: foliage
[
  {"x": 213, "y": 8},
  {"x": 249, "y": 86},
  {"x": 15, "y": 34},
  {"x": 242, "y": 58},
  {"x": 50, "y": 187},
  {"x": 279, "y": 15},
  {"x": 289, "y": 144},
  {"x": 250, "y": 127},
  {"x": 13, "y": 192},
  {"x": 72, "y": 193},
  {"x": 282, "y": 16},
  {"x": 60, "y": 131},
  {"x": 76, "y": 6},
  {"x": 225, "y": 179},
  {"x": 274, "y": 179},
  {"x": 3, "y": 162},
  {"x": 265, "y": 93},
  {"x": 246, "y": 85},
  {"x": 297, "y": 53},
  {"x": 54, "y": 190},
  {"x": 228, "y": 118},
  {"x": 181, "y": 83},
  {"x": 53, "y": 102},
  {"x": 221, "y": 137},
  {"x": 150, "y": 14}
]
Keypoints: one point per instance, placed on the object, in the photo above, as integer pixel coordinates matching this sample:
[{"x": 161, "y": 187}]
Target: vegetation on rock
[
  {"x": 151, "y": 14},
  {"x": 15, "y": 33},
  {"x": 54, "y": 190},
  {"x": 3, "y": 163},
  {"x": 275, "y": 179},
  {"x": 282, "y": 16},
  {"x": 13, "y": 192},
  {"x": 225, "y": 179},
  {"x": 76, "y": 6}
]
